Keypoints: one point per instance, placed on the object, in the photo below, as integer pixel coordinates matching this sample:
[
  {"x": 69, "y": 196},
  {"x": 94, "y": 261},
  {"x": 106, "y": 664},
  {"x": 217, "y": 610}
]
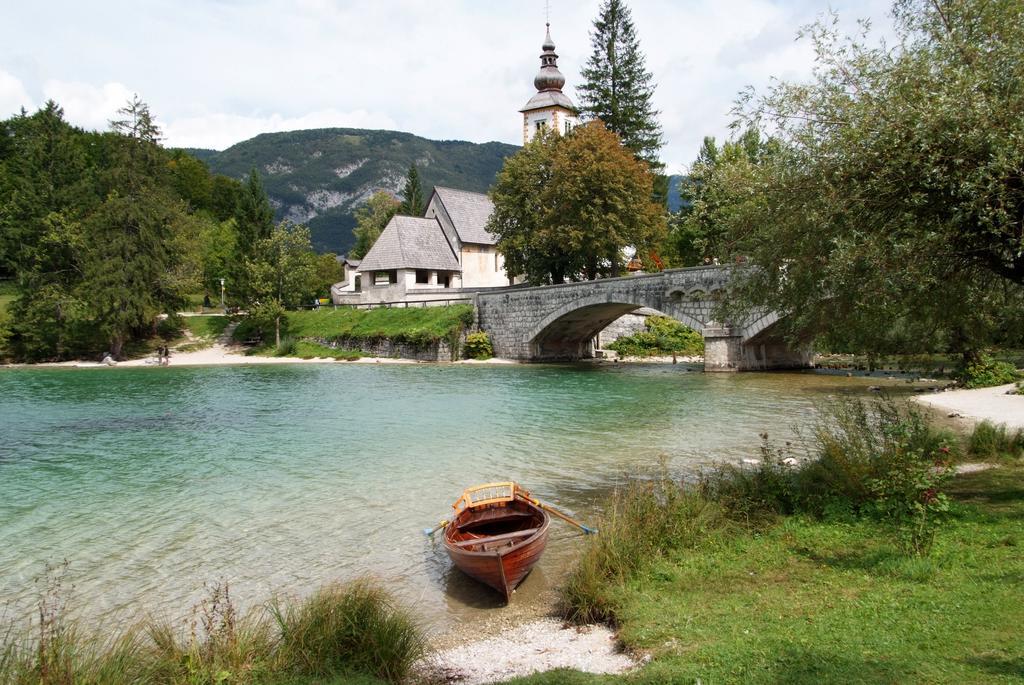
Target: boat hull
[{"x": 500, "y": 560}]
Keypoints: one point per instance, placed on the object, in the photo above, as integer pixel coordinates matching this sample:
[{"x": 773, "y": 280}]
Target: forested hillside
[{"x": 318, "y": 177}]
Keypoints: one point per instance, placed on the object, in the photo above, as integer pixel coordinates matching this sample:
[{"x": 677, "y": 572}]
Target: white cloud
[
  {"x": 13, "y": 95},
  {"x": 218, "y": 131},
  {"x": 86, "y": 105}
]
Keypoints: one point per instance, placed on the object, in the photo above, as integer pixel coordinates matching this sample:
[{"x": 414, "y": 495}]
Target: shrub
[
  {"x": 865, "y": 458},
  {"x": 170, "y": 327},
  {"x": 985, "y": 372},
  {"x": 478, "y": 346},
  {"x": 989, "y": 441},
  {"x": 663, "y": 335}
]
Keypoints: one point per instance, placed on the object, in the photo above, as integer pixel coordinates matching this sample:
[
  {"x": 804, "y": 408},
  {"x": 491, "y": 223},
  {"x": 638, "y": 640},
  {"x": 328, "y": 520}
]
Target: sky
[{"x": 217, "y": 72}]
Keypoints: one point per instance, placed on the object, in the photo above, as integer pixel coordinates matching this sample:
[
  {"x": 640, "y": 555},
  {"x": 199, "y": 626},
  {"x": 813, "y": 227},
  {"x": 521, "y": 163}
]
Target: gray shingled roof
[
  {"x": 409, "y": 242},
  {"x": 469, "y": 212},
  {"x": 549, "y": 98}
]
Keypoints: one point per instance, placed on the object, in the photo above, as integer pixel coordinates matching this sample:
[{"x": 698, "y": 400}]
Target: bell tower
[{"x": 550, "y": 108}]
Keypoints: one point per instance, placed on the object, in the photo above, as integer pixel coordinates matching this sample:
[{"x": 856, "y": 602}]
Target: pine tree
[
  {"x": 255, "y": 215},
  {"x": 413, "y": 194},
  {"x": 618, "y": 88}
]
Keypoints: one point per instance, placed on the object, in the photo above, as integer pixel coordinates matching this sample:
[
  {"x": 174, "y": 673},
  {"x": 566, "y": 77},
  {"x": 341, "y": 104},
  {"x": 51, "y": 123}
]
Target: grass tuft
[
  {"x": 341, "y": 633},
  {"x": 348, "y": 628}
]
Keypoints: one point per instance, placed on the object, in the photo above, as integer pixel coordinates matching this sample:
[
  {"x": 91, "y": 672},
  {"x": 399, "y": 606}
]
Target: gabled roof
[
  {"x": 469, "y": 213},
  {"x": 409, "y": 242}
]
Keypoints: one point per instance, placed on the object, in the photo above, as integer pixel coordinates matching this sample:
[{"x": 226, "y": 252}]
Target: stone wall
[{"x": 440, "y": 351}]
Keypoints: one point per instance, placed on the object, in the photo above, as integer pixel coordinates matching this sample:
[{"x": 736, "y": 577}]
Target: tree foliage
[
  {"x": 892, "y": 215},
  {"x": 567, "y": 206},
  {"x": 617, "y": 87},
  {"x": 371, "y": 218},
  {"x": 282, "y": 274},
  {"x": 102, "y": 233},
  {"x": 709, "y": 198},
  {"x": 412, "y": 205}
]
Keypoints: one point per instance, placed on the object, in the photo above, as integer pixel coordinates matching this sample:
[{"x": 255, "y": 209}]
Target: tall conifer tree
[
  {"x": 413, "y": 194},
  {"x": 617, "y": 87}
]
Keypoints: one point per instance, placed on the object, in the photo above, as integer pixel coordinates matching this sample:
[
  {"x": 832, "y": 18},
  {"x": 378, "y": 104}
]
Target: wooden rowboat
[{"x": 496, "y": 535}]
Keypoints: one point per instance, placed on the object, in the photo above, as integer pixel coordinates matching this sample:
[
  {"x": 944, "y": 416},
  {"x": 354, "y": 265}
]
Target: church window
[
  {"x": 385, "y": 277},
  {"x": 541, "y": 125},
  {"x": 568, "y": 126},
  {"x": 422, "y": 276},
  {"x": 443, "y": 280}
]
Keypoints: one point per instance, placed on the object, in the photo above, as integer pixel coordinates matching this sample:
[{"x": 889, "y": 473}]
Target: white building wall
[{"x": 482, "y": 266}]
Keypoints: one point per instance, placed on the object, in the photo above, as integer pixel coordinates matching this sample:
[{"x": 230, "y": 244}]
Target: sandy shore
[
  {"x": 234, "y": 355},
  {"x": 983, "y": 404}
]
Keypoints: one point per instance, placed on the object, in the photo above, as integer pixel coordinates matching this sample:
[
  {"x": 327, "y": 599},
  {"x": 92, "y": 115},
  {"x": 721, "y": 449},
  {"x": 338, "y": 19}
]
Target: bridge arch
[{"x": 566, "y": 332}]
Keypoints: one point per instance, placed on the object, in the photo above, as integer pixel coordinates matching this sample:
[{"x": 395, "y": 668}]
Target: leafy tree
[
  {"x": 328, "y": 272},
  {"x": 530, "y": 242},
  {"x": 892, "y": 216},
  {"x": 371, "y": 218},
  {"x": 567, "y": 206},
  {"x": 618, "y": 88},
  {"x": 217, "y": 244},
  {"x": 709, "y": 194},
  {"x": 281, "y": 274},
  {"x": 599, "y": 199},
  {"x": 412, "y": 205}
]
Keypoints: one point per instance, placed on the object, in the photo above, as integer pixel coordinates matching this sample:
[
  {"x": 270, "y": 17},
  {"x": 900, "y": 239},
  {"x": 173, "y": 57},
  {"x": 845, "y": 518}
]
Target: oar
[
  {"x": 551, "y": 510},
  {"x": 429, "y": 532}
]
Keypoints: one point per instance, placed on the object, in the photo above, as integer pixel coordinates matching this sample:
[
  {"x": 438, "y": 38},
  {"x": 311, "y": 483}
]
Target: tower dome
[
  {"x": 549, "y": 77},
  {"x": 549, "y": 108}
]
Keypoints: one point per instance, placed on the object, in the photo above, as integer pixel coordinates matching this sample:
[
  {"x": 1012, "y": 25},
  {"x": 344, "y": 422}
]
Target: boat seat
[{"x": 495, "y": 538}]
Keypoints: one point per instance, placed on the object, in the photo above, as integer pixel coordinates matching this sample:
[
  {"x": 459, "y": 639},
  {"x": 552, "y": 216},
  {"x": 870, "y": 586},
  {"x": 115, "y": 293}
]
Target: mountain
[{"x": 319, "y": 177}]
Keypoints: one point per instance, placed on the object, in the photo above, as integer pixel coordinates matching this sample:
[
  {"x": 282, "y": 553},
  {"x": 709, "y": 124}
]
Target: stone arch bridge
[{"x": 560, "y": 322}]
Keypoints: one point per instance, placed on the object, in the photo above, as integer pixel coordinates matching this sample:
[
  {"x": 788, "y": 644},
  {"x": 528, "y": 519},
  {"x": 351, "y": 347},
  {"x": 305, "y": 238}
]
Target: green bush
[
  {"x": 170, "y": 327},
  {"x": 990, "y": 442},
  {"x": 986, "y": 372},
  {"x": 865, "y": 458},
  {"x": 663, "y": 335},
  {"x": 478, "y": 346}
]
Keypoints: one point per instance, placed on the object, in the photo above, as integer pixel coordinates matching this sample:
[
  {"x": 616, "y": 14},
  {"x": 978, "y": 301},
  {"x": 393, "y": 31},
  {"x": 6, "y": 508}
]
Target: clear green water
[{"x": 152, "y": 482}]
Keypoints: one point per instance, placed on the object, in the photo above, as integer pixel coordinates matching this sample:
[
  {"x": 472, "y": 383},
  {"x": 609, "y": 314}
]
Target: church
[{"x": 449, "y": 247}]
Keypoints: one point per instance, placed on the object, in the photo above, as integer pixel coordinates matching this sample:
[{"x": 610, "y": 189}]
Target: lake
[{"x": 152, "y": 482}]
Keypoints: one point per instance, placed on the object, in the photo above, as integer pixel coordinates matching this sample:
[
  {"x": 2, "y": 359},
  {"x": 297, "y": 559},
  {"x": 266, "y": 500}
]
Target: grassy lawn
[
  {"x": 418, "y": 325},
  {"x": 431, "y": 323},
  {"x": 806, "y": 601},
  {"x": 207, "y": 326}
]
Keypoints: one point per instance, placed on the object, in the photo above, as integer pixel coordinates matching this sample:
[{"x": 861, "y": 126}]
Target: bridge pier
[{"x": 723, "y": 350}]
